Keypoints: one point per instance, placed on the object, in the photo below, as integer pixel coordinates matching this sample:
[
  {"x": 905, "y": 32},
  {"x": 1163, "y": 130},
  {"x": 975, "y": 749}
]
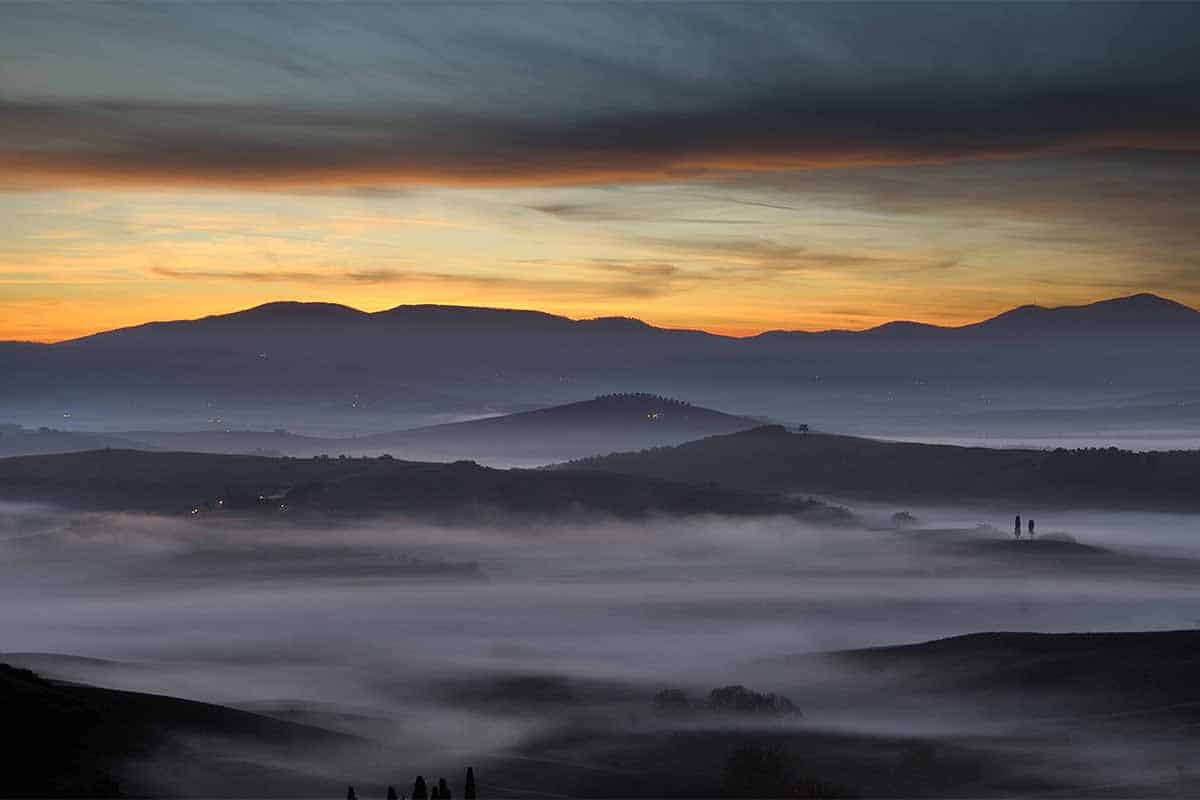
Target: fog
[{"x": 390, "y": 623}]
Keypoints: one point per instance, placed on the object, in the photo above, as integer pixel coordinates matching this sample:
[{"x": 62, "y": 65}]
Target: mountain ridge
[
  {"x": 325, "y": 367},
  {"x": 1143, "y": 308}
]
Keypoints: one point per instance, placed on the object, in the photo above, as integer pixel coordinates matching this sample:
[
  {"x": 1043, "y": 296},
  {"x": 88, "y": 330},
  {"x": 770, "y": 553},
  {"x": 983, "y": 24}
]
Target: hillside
[
  {"x": 770, "y": 459},
  {"x": 82, "y": 741},
  {"x": 605, "y": 424},
  {"x": 1034, "y": 674},
  {"x": 180, "y": 482},
  {"x": 17, "y": 441}
]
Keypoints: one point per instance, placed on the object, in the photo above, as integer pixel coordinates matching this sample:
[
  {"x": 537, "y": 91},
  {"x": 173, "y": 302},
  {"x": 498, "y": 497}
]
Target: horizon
[
  {"x": 750, "y": 335},
  {"x": 720, "y": 167}
]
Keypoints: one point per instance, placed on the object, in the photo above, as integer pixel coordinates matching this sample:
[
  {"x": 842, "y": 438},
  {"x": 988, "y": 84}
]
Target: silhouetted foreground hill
[
  {"x": 770, "y": 459},
  {"x": 329, "y": 367},
  {"x": 982, "y": 715},
  {"x": 180, "y": 482},
  {"x": 1036, "y": 675},
  {"x": 70, "y": 740}
]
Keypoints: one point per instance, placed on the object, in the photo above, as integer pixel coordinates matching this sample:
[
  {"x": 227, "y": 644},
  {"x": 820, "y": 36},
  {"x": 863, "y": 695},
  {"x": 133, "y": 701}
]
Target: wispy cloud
[
  {"x": 634, "y": 280},
  {"x": 286, "y": 276},
  {"x": 766, "y": 259}
]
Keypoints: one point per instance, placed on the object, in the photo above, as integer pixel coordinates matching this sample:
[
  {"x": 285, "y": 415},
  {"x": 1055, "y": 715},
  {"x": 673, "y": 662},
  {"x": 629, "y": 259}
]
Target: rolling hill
[
  {"x": 601, "y": 425},
  {"x": 128, "y": 480},
  {"x": 604, "y": 424},
  {"x": 83, "y": 741},
  {"x": 771, "y": 459}
]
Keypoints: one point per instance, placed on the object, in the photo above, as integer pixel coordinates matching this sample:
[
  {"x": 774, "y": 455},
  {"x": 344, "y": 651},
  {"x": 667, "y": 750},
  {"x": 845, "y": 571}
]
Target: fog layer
[{"x": 390, "y": 623}]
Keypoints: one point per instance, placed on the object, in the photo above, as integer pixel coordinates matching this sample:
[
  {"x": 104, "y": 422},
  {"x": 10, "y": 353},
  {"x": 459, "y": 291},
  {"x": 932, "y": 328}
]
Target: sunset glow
[{"x": 179, "y": 171}]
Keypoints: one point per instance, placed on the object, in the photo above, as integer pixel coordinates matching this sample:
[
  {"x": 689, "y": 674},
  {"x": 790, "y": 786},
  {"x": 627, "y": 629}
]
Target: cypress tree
[
  {"x": 469, "y": 786},
  {"x": 391, "y": 794},
  {"x": 350, "y": 795},
  {"x": 419, "y": 792},
  {"x": 443, "y": 789}
]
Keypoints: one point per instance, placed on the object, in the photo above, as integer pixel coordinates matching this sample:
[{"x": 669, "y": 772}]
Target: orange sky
[{"x": 719, "y": 166}]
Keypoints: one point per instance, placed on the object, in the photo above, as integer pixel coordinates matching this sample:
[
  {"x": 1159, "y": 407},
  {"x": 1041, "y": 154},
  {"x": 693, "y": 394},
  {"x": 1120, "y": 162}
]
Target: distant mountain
[
  {"x": 1139, "y": 313},
  {"x": 1136, "y": 315},
  {"x": 320, "y": 321},
  {"x": 771, "y": 459},
  {"x": 325, "y": 368}
]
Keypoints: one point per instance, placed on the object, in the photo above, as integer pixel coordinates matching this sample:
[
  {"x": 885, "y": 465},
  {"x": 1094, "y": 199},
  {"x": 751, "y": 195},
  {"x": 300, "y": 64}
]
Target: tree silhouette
[
  {"x": 740, "y": 700},
  {"x": 350, "y": 795},
  {"x": 419, "y": 791},
  {"x": 671, "y": 701},
  {"x": 391, "y": 793},
  {"x": 443, "y": 789},
  {"x": 469, "y": 785}
]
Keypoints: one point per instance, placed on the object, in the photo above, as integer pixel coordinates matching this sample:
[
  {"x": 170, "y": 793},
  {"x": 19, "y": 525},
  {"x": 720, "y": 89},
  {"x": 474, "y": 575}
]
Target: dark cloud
[
  {"x": 138, "y": 143},
  {"x": 374, "y": 97}
]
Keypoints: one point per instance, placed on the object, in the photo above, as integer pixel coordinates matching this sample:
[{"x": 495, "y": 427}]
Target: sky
[{"x": 731, "y": 167}]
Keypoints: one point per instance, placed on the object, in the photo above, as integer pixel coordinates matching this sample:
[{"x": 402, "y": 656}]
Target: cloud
[
  {"x": 629, "y": 212},
  {"x": 764, "y": 259},
  {"x": 286, "y": 276},
  {"x": 635, "y": 280},
  {"x": 140, "y": 143}
]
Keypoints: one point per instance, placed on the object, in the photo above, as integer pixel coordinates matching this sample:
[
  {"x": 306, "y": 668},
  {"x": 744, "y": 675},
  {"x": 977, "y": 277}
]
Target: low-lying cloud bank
[{"x": 459, "y": 641}]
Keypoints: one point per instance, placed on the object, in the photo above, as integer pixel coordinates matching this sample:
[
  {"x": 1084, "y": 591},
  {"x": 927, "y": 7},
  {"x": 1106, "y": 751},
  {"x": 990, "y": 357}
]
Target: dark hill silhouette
[
  {"x": 22, "y": 442},
  {"x": 770, "y": 458},
  {"x": 72, "y": 740},
  {"x": 325, "y": 319},
  {"x": 293, "y": 364},
  {"x": 178, "y": 482},
  {"x": 1037, "y": 675},
  {"x": 1134, "y": 314},
  {"x": 1139, "y": 314},
  {"x": 603, "y": 424}
]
